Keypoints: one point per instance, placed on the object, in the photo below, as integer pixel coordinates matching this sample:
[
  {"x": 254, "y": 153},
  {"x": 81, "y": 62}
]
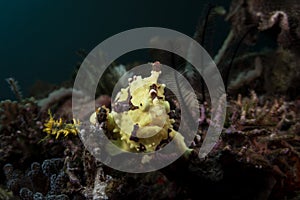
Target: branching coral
[
  {"x": 20, "y": 129},
  {"x": 14, "y": 86},
  {"x": 267, "y": 138},
  {"x": 257, "y": 154}
]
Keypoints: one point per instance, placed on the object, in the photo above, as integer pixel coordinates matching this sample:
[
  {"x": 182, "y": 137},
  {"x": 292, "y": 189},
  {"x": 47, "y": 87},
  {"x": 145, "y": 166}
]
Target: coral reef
[
  {"x": 54, "y": 163},
  {"x": 257, "y": 21},
  {"x": 21, "y": 130},
  {"x": 270, "y": 72},
  {"x": 256, "y": 157},
  {"x": 264, "y": 134},
  {"x": 70, "y": 177},
  {"x": 266, "y": 14}
]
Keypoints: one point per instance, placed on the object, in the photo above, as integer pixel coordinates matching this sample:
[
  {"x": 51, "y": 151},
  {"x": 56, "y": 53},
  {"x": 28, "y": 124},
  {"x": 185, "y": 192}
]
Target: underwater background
[
  {"x": 39, "y": 40},
  {"x": 46, "y": 124}
]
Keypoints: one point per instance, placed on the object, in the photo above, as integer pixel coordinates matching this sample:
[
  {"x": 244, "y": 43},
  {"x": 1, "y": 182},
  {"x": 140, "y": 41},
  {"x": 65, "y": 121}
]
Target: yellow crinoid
[{"x": 58, "y": 127}]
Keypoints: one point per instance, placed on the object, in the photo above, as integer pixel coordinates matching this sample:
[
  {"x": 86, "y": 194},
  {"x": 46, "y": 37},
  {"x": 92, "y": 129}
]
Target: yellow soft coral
[{"x": 58, "y": 127}]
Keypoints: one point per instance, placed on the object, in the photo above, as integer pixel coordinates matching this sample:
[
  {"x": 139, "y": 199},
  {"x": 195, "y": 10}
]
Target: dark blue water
[{"x": 39, "y": 38}]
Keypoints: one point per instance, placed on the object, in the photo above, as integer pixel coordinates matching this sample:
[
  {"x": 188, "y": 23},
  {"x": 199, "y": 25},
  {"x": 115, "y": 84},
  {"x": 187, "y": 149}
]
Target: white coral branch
[{"x": 247, "y": 77}]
